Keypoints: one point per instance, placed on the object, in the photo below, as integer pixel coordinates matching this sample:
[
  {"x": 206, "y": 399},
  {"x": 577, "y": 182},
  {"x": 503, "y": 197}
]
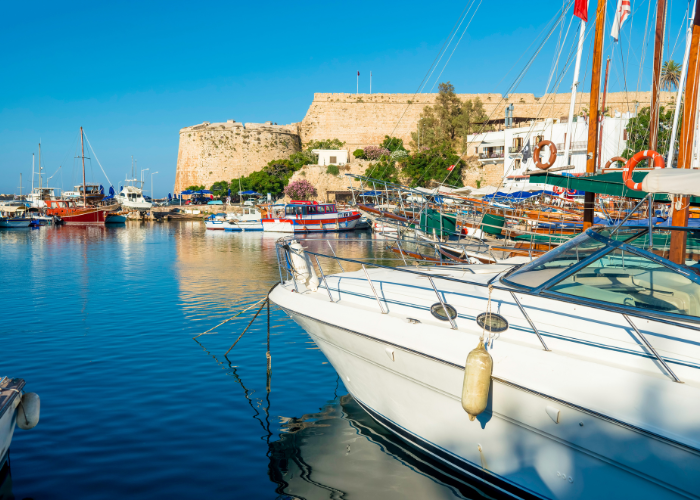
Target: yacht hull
[
  {"x": 9, "y": 400},
  {"x": 514, "y": 445}
]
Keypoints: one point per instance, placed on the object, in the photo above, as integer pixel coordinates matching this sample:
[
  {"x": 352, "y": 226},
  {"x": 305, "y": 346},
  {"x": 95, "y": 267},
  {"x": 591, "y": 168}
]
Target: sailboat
[
  {"x": 576, "y": 375},
  {"x": 68, "y": 209}
]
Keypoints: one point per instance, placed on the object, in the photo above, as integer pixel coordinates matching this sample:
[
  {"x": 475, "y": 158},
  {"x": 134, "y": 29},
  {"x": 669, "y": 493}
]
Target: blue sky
[{"x": 134, "y": 73}]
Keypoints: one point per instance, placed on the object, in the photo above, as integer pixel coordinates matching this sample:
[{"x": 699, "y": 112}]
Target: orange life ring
[
  {"x": 552, "y": 155},
  {"x": 632, "y": 162},
  {"x": 558, "y": 190},
  {"x": 614, "y": 159}
]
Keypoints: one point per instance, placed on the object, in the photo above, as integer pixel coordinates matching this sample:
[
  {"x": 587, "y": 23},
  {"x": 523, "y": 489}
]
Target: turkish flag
[
  {"x": 581, "y": 9},
  {"x": 451, "y": 168},
  {"x": 358, "y": 73}
]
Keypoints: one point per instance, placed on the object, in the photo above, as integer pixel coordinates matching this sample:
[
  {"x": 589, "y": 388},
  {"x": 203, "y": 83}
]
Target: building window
[
  {"x": 624, "y": 135},
  {"x": 334, "y": 159},
  {"x": 517, "y": 165}
]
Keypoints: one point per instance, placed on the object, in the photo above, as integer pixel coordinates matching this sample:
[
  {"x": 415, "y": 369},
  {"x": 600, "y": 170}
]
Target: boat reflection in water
[
  {"x": 341, "y": 452},
  {"x": 5, "y": 480}
]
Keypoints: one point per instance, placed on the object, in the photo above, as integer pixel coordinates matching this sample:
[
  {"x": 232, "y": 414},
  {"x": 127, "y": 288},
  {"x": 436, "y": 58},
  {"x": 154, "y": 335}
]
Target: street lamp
[{"x": 152, "y": 174}]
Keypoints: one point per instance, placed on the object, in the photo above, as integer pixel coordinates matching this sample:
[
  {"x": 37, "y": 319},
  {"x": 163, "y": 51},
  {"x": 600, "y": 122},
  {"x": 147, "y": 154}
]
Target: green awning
[{"x": 610, "y": 184}]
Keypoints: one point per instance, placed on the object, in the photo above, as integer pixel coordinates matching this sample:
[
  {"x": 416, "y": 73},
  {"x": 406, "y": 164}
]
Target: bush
[
  {"x": 333, "y": 170},
  {"x": 399, "y": 155},
  {"x": 359, "y": 154},
  {"x": 300, "y": 190},
  {"x": 375, "y": 152}
]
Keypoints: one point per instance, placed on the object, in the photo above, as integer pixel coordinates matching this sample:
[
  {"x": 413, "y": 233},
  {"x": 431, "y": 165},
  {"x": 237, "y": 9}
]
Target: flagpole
[
  {"x": 358, "y": 83},
  {"x": 574, "y": 88},
  {"x": 681, "y": 84}
]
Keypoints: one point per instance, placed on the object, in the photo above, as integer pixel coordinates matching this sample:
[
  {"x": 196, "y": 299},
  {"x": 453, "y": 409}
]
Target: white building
[
  {"x": 331, "y": 156},
  {"x": 505, "y": 147}
]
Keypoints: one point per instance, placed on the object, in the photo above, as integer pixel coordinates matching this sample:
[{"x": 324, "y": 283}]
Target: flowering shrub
[
  {"x": 399, "y": 155},
  {"x": 375, "y": 152},
  {"x": 300, "y": 190}
]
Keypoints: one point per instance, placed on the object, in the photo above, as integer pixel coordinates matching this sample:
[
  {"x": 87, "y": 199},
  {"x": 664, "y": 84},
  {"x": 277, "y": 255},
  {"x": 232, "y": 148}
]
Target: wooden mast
[
  {"x": 656, "y": 74},
  {"x": 82, "y": 155},
  {"x": 602, "y": 112},
  {"x": 589, "y": 198},
  {"x": 685, "y": 146}
]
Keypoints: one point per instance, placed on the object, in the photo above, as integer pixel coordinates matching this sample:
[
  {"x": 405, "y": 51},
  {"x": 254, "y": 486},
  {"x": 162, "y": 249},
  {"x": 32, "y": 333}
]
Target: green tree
[
  {"x": 392, "y": 144},
  {"x": 384, "y": 170},
  {"x": 670, "y": 75},
  {"x": 426, "y": 166},
  {"x": 638, "y": 132},
  {"x": 449, "y": 121},
  {"x": 196, "y": 188},
  {"x": 325, "y": 144},
  {"x": 219, "y": 188}
]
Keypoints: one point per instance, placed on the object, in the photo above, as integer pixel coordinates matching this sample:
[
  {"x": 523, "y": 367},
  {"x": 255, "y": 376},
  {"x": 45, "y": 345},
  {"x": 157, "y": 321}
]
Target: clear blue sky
[{"x": 133, "y": 73}]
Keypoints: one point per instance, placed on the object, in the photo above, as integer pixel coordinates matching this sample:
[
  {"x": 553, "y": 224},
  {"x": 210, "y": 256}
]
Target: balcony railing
[{"x": 488, "y": 156}]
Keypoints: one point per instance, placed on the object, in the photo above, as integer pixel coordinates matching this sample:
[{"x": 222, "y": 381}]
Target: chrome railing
[{"x": 493, "y": 284}]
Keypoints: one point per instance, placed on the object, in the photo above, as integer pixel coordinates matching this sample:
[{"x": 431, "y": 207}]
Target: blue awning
[
  {"x": 372, "y": 193},
  {"x": 249, "y": 193}
]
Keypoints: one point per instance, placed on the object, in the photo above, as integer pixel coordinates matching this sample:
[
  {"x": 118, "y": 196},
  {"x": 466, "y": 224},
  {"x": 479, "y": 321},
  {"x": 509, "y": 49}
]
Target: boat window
[
  {"x": 540, "y": 271},
  {"x": 626, "y": 279},
  {"x": 311, "y": 210}
]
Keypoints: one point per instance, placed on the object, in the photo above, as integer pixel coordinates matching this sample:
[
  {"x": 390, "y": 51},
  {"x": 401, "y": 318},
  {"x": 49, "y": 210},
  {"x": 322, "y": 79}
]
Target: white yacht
[
  {"x": 17, "y": 408},
  {"x": 593, "y": 388},
  {"x": 131, "y": 197},
  {"x": 38, "y": 197}
]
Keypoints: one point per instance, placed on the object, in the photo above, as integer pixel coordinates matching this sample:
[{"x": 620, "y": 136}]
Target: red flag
[
  {"x": 358, "y": 73},
  {"x": 581, "y": 9},
  {"x": 451, "y": 168}
]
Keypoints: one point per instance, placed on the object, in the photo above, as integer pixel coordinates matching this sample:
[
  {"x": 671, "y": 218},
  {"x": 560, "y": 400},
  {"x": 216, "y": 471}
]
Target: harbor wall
[{"x": 211, "y": 152}]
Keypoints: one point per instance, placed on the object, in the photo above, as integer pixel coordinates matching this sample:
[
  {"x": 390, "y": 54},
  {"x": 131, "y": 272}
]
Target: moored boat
[
  {"x": 309, "y": 217},
  {"x": 17, "y": 408}
]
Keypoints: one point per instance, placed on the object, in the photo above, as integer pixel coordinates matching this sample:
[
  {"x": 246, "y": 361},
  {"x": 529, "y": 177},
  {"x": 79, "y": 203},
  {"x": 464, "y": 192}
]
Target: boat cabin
[{"x": 309, "y": 208}]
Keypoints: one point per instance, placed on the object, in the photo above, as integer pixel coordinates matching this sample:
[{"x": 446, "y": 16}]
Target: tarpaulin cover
[
  {"x": 249, "y": 193},
  {"x": 518, "y": 195}
]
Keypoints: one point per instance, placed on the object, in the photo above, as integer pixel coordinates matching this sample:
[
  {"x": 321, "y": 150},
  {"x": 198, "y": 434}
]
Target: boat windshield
[{"x": 634, "y": 275}]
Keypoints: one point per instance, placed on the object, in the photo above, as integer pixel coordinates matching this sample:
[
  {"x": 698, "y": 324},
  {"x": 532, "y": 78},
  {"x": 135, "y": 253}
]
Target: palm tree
[{"x": 670, "y": 75}]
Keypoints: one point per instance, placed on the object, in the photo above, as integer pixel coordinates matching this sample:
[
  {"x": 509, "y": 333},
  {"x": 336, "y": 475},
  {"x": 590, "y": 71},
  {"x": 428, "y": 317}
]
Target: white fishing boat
[
  {"x": 590, "y": 374},
  {"x": 13, "y": 215},
  {"x": 17, "y": 408},
  {"x": 250, "y": 219}
]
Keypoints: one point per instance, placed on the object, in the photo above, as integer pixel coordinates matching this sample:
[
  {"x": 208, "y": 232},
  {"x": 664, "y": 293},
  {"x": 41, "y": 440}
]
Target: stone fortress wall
[
  {"x": 363, "y": 119},
  {"x": 212, "y": 152}
]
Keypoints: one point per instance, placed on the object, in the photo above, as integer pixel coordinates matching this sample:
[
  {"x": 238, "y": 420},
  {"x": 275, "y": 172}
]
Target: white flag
[{"x": 621, "y": 15}]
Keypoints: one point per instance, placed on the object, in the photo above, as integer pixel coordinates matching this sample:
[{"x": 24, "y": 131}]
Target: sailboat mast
[
  {"x": 687, "y": 139},
  {"x": 82, "y": 155},
  {"x": 39, "y": 165},
  {"x": 656, "y": 74},
  {"x": 33, "y": 171},
  {"x": 602, "y": 111},
  {"x": 574, "y": 88},
  {"x": 589, "y": 198}
]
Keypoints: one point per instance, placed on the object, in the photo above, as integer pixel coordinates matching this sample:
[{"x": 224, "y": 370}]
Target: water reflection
[
  {"x": 340, "y": 452},
  {"x": 5, "y": 481}
]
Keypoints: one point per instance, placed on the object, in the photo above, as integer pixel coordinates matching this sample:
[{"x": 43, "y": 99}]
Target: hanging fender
[
  {"x": 648, "y": 154},
  {"x": 614, "y": 159},
  {"x": 552, "y": 155}
]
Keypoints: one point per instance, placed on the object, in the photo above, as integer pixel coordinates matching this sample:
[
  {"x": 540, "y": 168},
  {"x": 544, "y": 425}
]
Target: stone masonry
[
  {"x": 212, "y": 152},
  {"x": 363, "y": 119}
]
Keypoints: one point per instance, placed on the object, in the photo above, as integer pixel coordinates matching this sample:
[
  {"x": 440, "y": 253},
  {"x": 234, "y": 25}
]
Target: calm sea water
[{"x": 99, "y": 322}]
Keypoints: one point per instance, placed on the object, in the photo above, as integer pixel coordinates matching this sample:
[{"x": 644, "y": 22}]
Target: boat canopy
[
  {"x": 249, "y": 193},
  {"x": 612, "y": 184},
  {"x": 619, "y": 267}
]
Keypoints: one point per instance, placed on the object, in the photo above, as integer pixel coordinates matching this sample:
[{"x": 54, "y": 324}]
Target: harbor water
[{"x": 100, "y": 323}]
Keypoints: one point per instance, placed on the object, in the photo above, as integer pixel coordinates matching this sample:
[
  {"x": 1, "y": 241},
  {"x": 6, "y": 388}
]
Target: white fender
[
  {"x": 28, "y": 411},
  {"x": 303, "y": 269}
]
